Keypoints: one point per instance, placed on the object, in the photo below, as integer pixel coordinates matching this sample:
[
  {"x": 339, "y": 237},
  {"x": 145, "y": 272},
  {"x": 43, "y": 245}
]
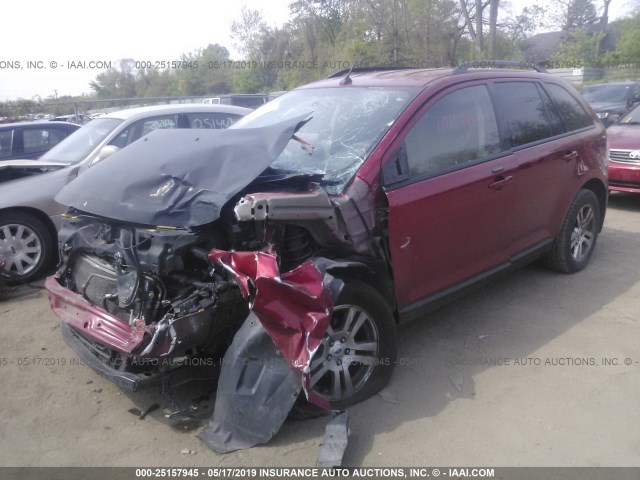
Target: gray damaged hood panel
[{"x": 177, "y": 178}]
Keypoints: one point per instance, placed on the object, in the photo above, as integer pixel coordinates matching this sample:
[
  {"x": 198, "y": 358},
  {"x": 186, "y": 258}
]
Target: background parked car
[
  {"x": 79, "y": 119},
  {"x": 32, "y": 139},
  {"x": 610, "y": 100},
  {"x": 624, "y": 153},
  {"x": 29, "y": 216}
]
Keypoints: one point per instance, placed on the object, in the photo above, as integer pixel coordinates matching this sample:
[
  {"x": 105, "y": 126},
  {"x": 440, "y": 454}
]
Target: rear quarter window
[{"x": 573, "y": 115}]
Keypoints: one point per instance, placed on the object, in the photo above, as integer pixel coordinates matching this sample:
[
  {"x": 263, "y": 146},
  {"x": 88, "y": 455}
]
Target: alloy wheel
[
  {"x": 583, "y": 233},
  {"x": 20, "y": 247},
  {"x": 347, "y": 354}
]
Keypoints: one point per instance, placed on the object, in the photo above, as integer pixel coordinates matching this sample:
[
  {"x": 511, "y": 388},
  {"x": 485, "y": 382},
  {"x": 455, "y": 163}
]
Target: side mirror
[
  {"x": 397, "y": 168},
  {"x": 613, "y": 118},
  {"x": 105, "y": 152},
  {"x": 635, "y": 98}
]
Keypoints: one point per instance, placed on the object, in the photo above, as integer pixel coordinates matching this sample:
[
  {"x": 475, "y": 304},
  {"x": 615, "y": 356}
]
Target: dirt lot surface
[{"x": 538, "y": 368}]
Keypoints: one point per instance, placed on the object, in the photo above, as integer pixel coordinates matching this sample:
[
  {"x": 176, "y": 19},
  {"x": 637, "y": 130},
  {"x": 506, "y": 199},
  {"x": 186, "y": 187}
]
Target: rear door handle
[
  {"x": 570, "y": 156},
  {"x": 500, "y": 182}
]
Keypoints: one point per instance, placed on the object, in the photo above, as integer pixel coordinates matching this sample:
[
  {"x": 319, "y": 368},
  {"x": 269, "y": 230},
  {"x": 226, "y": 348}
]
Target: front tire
[
  {"x": 357, "y": 355},
  {"x": 574, "y": 245},
  {"x": 26, "y": 245}
]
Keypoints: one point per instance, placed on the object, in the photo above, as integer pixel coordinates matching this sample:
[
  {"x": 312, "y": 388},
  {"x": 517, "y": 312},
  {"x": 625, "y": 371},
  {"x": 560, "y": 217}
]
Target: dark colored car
[
  {"x": 326, "y": 218},
  {"x": 29, "y": 140},
  {"x": 624, "y": 153},
  {"x": 610, "y": 100}
]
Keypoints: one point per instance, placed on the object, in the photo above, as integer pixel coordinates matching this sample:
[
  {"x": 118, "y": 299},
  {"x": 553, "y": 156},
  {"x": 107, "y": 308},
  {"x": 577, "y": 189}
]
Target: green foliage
[
  {"x": 628, "y": 48},
  {"x": 572, "y": 15},
  {"x": 323, "y": 36},
  {"x": 117, "y": 82},
  {"x": 580, "y": 47}
]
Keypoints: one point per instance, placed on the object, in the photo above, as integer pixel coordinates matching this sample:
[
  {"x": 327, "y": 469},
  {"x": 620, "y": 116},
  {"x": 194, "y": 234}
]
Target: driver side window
[{"x": 457, "y": 130}]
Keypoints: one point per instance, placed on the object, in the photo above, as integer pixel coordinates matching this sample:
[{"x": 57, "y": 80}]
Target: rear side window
[
  {"x": 211, "y": 120},
  {"x": 6, "y": 143},
  {"x": 573, "y": 115},
  {"x": 457, "y": 130},
  {"x": 41, "y": 139},
  {"x": 522, "y": 113}
]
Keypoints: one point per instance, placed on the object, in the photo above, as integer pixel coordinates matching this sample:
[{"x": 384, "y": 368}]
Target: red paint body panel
[
  {"x": 622, "y": 177},
  {"x": 92, "y": 321}
]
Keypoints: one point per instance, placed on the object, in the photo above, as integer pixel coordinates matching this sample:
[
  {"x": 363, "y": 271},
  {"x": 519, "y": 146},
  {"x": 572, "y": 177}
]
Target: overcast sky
[{"x": 75, "y": 30}]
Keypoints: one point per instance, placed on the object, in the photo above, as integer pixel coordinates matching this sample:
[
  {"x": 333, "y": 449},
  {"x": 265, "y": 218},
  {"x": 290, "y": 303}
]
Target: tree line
[{"x": 322, "y": 36}]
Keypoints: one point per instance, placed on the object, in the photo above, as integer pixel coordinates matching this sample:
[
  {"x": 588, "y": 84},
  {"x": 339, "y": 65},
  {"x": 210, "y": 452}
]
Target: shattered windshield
[{"x": 345, "y": 125}]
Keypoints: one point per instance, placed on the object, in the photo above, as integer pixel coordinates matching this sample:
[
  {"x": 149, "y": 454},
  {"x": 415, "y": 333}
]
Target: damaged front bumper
[
  {"x": 106, "y": 343},
  {"x": 93, "y": 321}
]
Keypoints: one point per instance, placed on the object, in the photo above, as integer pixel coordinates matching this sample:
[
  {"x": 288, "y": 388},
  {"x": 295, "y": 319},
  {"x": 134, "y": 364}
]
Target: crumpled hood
[{"x": 178, "y": 178}]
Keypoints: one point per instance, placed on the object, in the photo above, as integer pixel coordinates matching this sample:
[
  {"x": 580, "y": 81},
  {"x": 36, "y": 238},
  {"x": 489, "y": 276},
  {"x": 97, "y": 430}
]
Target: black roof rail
[
  {"x": 344, "y": 71},
  {"x": 465, "y": 66}
]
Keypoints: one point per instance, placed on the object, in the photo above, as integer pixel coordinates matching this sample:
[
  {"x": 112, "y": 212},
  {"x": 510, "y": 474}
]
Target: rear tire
[
  {"x": 574, "y": 245},
  {"x": 26, "y": 245},
  {"x": 357, "y": 355}
]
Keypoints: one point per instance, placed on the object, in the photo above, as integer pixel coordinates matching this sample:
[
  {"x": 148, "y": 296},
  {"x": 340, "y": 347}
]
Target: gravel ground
[{"x": 537, "y": 369}]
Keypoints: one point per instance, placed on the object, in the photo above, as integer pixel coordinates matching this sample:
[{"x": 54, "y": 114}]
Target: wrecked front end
[
  {"x": 136, "y": 301},
  {"x": 157, "y": 270}
]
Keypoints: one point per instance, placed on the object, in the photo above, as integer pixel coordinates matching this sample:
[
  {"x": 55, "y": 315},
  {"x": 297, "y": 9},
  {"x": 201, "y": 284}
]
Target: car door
[
  {"x": 543, "y": 157},
  {"x": 449, "y": 191}
]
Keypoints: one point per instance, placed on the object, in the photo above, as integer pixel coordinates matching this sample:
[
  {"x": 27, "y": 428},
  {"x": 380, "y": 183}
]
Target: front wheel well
[{"x": 376, "y": 278}]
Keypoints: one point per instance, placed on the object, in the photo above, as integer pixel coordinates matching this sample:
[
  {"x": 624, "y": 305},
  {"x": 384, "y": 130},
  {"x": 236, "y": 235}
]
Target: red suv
[{"x": 325, "y": 218}]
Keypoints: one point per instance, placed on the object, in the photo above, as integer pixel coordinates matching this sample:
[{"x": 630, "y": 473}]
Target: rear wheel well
[{"x": 601, "y": 193}]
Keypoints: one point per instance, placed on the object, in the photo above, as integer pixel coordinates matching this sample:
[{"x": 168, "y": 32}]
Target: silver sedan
[{"x": 29, "y": 215}]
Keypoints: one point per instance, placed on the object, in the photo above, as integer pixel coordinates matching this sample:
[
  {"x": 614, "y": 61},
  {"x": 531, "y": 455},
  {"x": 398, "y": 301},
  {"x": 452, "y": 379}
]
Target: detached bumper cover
[{"x": 125, "y": 380}]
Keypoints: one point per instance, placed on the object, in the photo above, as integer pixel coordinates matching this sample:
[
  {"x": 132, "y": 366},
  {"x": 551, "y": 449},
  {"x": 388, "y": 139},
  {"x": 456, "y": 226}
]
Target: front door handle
[{"x": 500, "y": 182}]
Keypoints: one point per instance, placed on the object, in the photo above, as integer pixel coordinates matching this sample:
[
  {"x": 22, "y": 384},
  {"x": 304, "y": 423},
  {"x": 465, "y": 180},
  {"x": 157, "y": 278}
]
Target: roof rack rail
[
  {"x": 344, "y": 71},
  {"x": 465, "y": 66}
]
